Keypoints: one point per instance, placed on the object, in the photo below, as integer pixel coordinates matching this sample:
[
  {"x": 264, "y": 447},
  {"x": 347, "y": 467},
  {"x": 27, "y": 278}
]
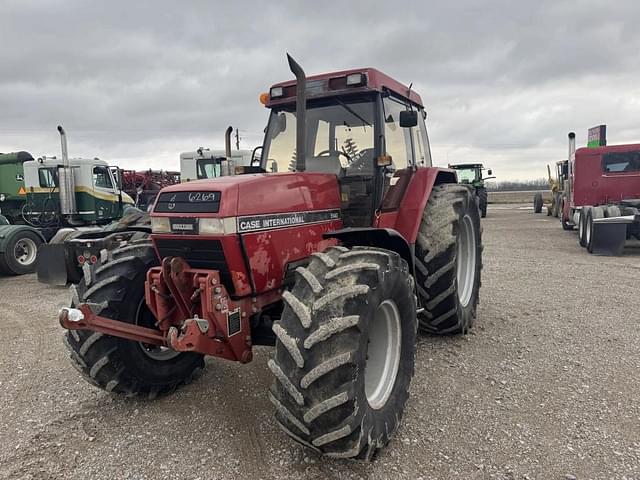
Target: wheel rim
[
  {"x": 587, "y": 231},
  {"x": 581, "y": 226},
  {"x": 383, "y": 354},
  {"x": 466, "y": 261},
  {"x": 145, "y": 318},
  {"x": 25, "y": 251}
]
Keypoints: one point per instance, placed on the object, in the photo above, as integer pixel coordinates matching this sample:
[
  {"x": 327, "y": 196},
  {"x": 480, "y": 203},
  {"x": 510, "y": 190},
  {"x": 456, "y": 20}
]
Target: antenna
[{"x": 237, "y": 139}]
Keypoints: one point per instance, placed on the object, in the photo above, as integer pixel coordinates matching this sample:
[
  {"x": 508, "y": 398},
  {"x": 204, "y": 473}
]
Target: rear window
[{"x": 621, "y": 162}]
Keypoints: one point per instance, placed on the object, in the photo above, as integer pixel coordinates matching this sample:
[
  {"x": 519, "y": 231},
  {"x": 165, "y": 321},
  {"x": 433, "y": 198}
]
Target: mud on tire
[
  {"x": 326, "y": 391},
  {"x": 440, "y": 260},
  {"x": 116, "y": 288}
]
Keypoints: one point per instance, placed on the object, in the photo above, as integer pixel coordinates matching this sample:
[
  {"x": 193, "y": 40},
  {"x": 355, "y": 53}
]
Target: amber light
[{"x": 264, "y": 98}]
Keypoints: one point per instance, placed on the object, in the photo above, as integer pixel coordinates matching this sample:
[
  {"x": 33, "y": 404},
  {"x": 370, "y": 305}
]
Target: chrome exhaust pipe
[
  {"x": 572, "y": 145},
  {"x": 67, "y": 187},
  {"x": 63, "y": 142},
  {"x": 301, "y": 113}
]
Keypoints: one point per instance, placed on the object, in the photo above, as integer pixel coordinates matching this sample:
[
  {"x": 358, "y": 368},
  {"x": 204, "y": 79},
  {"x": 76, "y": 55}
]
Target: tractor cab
[
  {"x": 469, "y": 173},
  {"x": 361, "y": 126}
]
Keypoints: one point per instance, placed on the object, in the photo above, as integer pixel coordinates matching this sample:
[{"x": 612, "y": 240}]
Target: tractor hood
[{"x": 247, "y": 195}]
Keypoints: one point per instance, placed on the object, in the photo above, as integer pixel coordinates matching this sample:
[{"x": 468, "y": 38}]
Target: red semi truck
[{"x": 602, "y": 195}]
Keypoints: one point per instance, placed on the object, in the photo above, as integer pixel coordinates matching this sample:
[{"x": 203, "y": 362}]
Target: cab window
[
  {"x": 48, "y": 177},
  {"x": 621, "y": 162},
  {"x": 397, "y": 139},
  {"x": 207, "y": 168},
  {"x": 101, "y": 177},
  {"x": 421, "y": 143}
]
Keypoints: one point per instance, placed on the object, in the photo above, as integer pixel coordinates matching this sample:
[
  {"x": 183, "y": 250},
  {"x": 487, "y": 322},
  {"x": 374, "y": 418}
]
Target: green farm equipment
[{"x": 471, "y": 174}]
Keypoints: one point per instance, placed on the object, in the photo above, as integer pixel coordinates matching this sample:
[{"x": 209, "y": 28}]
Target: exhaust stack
[
  {"x": 572, "y": 145},
  {"x": 227, "y": 168},
  {"x": 66, "y": 183},
  {"x": 301, "y": 113},
  {"x": 227, "y": 142}
]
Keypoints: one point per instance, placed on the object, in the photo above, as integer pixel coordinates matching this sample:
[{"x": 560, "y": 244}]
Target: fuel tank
[{"x": 271, "y": 224}]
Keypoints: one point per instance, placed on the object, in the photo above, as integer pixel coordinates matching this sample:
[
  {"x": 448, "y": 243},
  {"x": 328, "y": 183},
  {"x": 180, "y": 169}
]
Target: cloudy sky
[{"x": 136, "y": 83}]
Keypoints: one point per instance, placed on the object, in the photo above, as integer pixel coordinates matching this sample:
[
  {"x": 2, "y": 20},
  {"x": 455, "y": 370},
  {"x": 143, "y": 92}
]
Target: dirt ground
[{"x": 546, "y": 386}]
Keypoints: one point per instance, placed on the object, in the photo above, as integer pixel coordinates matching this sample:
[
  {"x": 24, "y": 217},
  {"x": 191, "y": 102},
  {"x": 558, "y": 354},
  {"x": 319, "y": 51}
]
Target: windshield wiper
[{"x": 351, "y": 111}]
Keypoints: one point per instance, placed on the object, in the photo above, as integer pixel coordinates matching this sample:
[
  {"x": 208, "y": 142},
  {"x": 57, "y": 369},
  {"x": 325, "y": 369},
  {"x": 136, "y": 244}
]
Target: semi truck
[
  {"x": 48, "y": 199},
  {"x": 602, "y": 194}
]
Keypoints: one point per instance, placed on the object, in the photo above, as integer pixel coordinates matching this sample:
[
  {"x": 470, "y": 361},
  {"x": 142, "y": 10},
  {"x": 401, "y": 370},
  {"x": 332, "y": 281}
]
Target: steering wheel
[{"x": 339, "y": 152}]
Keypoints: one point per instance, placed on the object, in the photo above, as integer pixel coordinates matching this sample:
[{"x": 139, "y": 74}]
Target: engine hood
[{"x": 255, "y": 194}]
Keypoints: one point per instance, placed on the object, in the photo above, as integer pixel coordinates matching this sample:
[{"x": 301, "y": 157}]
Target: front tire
[
  {"x": 483, "y": 200},
  {"x": 345, "y": 350},
  {"x": 448, "y": 260},
  {"x": 115, "y": 364}
]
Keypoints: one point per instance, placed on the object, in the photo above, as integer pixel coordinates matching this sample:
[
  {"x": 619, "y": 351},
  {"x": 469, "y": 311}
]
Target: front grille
[{"x": 205, "y": 254}]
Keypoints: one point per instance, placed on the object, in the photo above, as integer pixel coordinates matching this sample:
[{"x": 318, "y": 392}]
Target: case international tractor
[
  {"x": 337, "y": 263},
  {"x": 602, "y": 194}
]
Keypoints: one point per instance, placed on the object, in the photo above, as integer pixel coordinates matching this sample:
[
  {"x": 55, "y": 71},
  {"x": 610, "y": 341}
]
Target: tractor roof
[
  {"x": 335, "y": 83},
  {"x": 466, "y": 165}
]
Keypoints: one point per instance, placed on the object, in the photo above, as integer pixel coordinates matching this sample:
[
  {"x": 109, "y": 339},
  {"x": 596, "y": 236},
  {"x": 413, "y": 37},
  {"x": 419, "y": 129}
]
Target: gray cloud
[{"x": 138, "y": 82}]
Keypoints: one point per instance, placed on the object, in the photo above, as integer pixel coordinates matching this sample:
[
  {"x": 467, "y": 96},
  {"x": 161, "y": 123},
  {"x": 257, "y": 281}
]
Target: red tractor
[
  {"x": 602, "y": 196},
  {"x": 337, "y": 263}
]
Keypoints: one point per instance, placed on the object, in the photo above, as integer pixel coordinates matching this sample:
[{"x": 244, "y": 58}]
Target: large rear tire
[
  {"x": 115, "y": 364},
  {"x": 483, "y": 200},
  {"x": 345, "y": 350},
  {"x": 449, "y": 260}
]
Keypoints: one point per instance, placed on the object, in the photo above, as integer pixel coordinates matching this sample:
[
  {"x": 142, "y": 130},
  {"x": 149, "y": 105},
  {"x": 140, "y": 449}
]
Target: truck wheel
[
  {"x": 448, "y": 261},
  {"x": 592, "y": 213},
  {"x": 345, "y": 350},
  {"x": 483, "y": 200},
  {"x": 563, "y": 220},
  {"x": 538, "y": 202},
  {"x": 115, "y": 364},
  {"x": 582, "y": 223},
  {"x": 21, "y": 250}
]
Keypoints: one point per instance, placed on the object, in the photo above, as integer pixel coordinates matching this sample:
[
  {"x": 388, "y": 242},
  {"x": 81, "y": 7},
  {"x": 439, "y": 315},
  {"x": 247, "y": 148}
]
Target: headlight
[
  {"x": 217, "y": 226},
  {"x": 160, "y": 225},
  {"x": 2, "y": 197}
]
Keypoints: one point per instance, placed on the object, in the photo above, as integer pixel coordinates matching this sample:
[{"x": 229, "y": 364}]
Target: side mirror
[
  {"x": 408, "y": 118},
  {"x": 489, "y": 172}
]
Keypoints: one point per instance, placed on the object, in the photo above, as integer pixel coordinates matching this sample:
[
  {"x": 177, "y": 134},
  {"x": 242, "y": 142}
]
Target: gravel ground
[{"x": 546, "y": 386}]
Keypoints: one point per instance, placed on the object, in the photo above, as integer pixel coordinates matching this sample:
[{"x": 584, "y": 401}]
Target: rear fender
[
  {"x": 9, "y": 231},
  {"x": 386, "y": 238},
  {"x": 406, "y": 219}
]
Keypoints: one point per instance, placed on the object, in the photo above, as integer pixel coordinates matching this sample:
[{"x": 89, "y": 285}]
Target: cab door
[{"x": 105, "y": 195}]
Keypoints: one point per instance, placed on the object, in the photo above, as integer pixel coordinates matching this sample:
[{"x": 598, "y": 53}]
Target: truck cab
[
  {"x": 96, "y": 196},
  {"x": 204, "y": 163}
]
